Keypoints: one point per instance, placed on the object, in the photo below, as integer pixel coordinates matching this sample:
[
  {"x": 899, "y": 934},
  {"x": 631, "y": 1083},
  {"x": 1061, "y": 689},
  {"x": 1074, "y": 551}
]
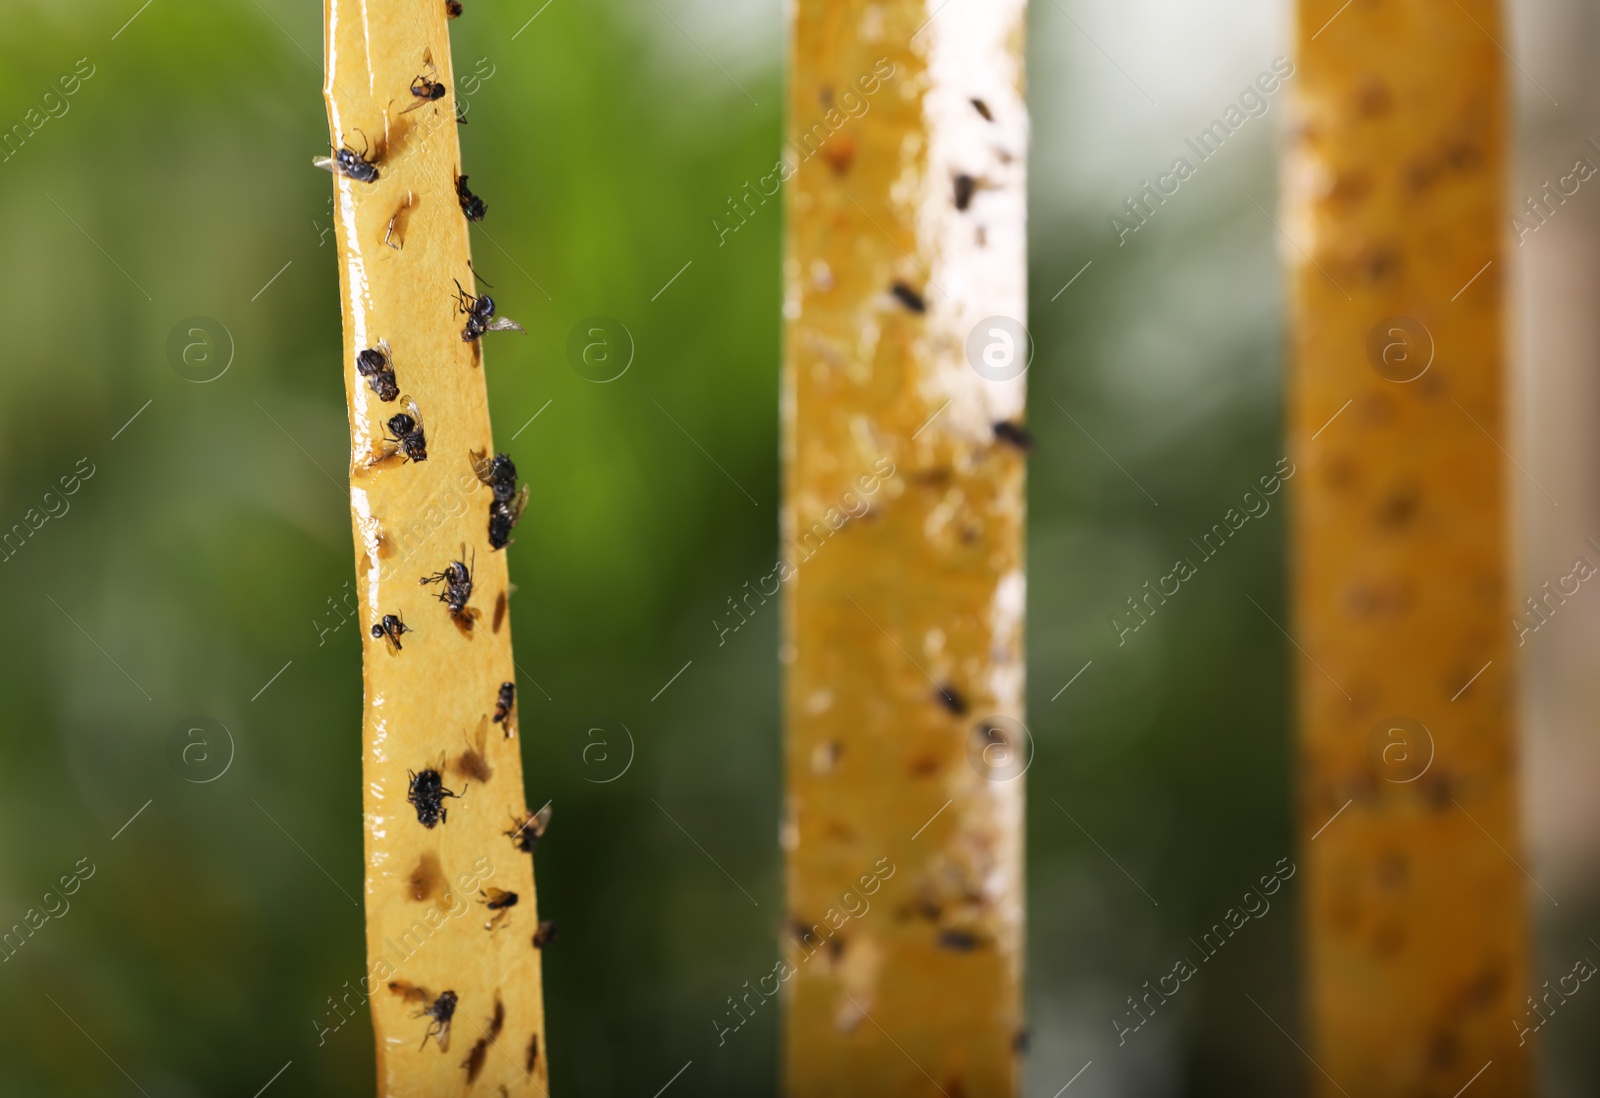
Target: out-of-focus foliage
[{"x": 199, "y": 561}]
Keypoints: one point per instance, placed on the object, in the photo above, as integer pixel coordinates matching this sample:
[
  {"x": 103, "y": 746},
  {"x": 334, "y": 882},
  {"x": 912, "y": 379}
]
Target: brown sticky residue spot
[
  {"x": 473, "y": 762},
  {"x": 1378, "y": 598},
  {"x": 840, "y": 153},
  {"x": 1373, "y": 99},
  {"x": 1437, "y": 789},
  {"x": 533, "y": 1053},
  {"x": 924, "y": 766},
  {"x": 466, "y": 620},
  {"x": 1398, "y": 507},
  {"x": 1444, "y": 1050},
  {"x": 1341, "y": 473},
  {"x": 498, "y": 1021},
  {"x": 1388, "y": 939},
  {"x": 474, "y": 1061},
  {"x": 499, "y": 611},
  {"x": 1350, "y": 188},
  {"x": 1381, "y": 264},
  {"x": 983, "y": 108},
  {"x": 409, "y": 992},
  {"x": 1482, "y": 992},
  {"x": 840, "y": 831},
  {"x": 1463, "y": 155},
  {"x": 1392, "y": 870},
  {"x": 425, "y": 880}
]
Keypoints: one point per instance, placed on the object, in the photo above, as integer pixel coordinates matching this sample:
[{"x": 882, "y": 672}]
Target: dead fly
[
  {"x": 526, "y": 832},
  {"x": 1014, "y": 434},
  {"x": 503, "y": 704},
  {"x": 457, "y": 580},
  {"x": 500, "y": 902},
  {"x": 909, "y": 297},
  {"x": 441, "y": 1010},
  {"x": 405, "y": 434},
  {"x": 391, "y": 627},
  {"x": 480, "y": 1051},
  {"x": 376, "y": 365},
  {"x": 427, "y": 795},
  {"x": 395, "y": 235},
  {"x": 427, "y": 91},
  {"x": 480, "y": 316},
  {"x": 545, "y": 934},
  {"x": 452, "y": 8},
  {"x": 471, "y": 205},
  {"x": 350, "y": 164},
  {"x": 505, "y": 510}
]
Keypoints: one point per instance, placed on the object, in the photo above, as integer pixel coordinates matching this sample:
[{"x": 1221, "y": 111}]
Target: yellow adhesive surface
[
  {"x": 1415, "y": 911},
  {"x": 430, "y": 704},
  {"x": 902, "y": 556}
]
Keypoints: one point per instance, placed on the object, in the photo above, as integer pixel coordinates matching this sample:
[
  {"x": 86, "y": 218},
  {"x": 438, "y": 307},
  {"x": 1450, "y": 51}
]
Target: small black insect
[
  {"x": 952, "y": 699},
  {"x": 471, "y": 205},
  {"x": 441, "y": 1010},
  {"x": 503, "y": 519},
  {"x": 391, "y": 626},
  {"x": 500, "y": 902},
  {"x": 427, "y": 795},
  {"x": 526, "y": 832},
  {"x": 498, "y": 899},
  {"x": 480, "y": 316},
  {"x": 1015, "y": 434},
  {"x": 452, "y": 8},
  {"x": 427, "y": 91},
  {"x": 909, "y": 297},
  {"x": 376, "y": 365},
  {"x": 406, "y": 434},
  {"x": 505, "y": 510},
  {"x": 457, "y": 580},
  {"x": 350, "y": 164},
  {"x": 545, "y": 934},
  {"x": 965, "y": 185},
  {"x": 959, "y": 940},
  {"x": 503, "y": 704}
]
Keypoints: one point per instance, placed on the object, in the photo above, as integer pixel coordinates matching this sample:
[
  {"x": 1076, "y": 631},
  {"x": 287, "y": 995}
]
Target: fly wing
[
  {"x": 501, "y": 324},
  {"x": 325, "y": 163},
  {"x": 518, "y": 502}
]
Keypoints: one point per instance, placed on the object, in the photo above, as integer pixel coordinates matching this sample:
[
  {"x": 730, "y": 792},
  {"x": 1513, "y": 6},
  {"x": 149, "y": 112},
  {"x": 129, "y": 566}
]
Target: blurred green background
[{"x": 199, "y": 559}]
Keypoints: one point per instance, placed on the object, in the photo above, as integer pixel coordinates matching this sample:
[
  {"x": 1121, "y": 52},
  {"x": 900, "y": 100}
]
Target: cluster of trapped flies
[{"x": 407, "y": 440}]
